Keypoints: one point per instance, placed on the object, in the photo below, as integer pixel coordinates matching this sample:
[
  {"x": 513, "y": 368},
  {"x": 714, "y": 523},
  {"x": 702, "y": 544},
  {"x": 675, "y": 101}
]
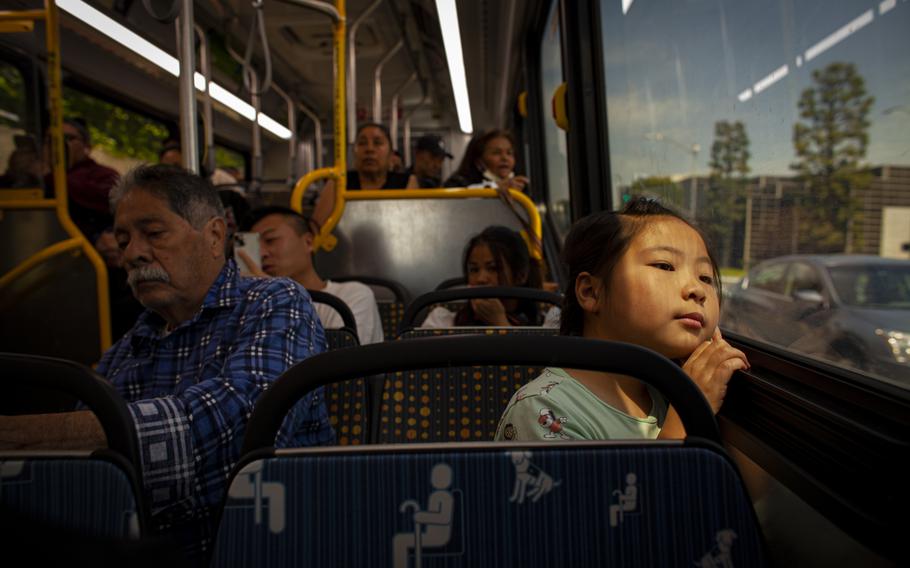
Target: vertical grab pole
[
  {"x": 292, "y": 141},
  {"x": 352, "y": 66},
  {"x": 317, "y": 132},
  {"x": 186, "y": 51},
  {"x": 377, "y": 82},
  {"x": 256, "y": 100},
  {"x": 205, "y": 61},
  {"x": 58, "y": 165},
  {"x": 393, "y": 121},
  {"x": 407, "y": 122}
]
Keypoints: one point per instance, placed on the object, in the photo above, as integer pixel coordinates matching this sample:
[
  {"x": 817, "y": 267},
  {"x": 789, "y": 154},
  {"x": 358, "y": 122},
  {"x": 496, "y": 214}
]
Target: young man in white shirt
[{"x": 286, "y": 247}]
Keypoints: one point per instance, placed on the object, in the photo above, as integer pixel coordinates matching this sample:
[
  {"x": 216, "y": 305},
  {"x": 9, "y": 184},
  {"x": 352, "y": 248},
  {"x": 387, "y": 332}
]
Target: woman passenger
[
  {"x": 489, "y": 161},
  {"x": 372, "y": 165},
  {"x": 498, "y": 256},
  {"x": 642, "y": 276}
]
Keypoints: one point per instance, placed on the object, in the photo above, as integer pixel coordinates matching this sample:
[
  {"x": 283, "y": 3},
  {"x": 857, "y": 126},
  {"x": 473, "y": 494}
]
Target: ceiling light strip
[{"x": 451, "y": 38}]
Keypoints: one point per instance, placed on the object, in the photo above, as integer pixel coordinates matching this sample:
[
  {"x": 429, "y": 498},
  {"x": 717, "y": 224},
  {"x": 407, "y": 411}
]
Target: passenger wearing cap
[{"x": 428, "y": 156}]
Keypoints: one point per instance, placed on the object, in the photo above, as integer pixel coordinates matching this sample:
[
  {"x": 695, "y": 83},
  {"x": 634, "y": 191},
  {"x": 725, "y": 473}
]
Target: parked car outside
[{"x": 852, "y": 310}]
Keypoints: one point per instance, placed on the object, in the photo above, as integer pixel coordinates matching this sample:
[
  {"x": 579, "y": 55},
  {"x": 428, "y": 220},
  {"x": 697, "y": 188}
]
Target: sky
[{"x": 674, "y": 68}]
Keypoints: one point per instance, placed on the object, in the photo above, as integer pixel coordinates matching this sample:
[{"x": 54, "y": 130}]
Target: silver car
[{"x": 852, "y": 310}]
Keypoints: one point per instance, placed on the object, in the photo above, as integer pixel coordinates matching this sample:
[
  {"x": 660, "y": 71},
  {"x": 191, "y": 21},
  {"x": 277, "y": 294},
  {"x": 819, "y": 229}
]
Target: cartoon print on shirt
[{"x": 547, "y": 419}]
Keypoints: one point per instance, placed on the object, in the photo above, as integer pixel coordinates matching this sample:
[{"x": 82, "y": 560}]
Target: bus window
[
  {"x": 554, "y": 139},
  {"x": 20, "y": 161},
  {"x": 781, "y": 129},
  {"x": 121, "y": 138}
]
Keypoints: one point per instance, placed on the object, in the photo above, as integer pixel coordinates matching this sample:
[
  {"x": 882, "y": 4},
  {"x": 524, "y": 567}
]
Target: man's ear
[
  {"x": 308, "y": 239},
  {"x": 589, "y": 292},
  {"x": 215, "y": 234}
]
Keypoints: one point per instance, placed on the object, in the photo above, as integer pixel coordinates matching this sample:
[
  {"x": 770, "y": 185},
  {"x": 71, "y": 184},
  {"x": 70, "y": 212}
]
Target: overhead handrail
[
  {"x": 352, "y": 67},
  {"x": 377, "y": 80},
  {"x": 325, "y": 7},
  {"x": 208, "y": 133},
  {"x": 250, "y": 78},
  {"x": 59, "y": 202},
  {"x": 168, "y": 16},
  {"x": 393, "y": 115}
]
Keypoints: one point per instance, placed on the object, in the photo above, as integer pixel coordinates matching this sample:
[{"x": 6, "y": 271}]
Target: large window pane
[
  {"x": 782, "y": 129},
  {"x": 20, "y": 161},
  {"x": 554, "y": 138}
]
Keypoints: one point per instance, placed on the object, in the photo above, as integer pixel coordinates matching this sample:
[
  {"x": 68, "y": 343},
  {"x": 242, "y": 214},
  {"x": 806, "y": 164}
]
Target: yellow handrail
[
  {"x": 58, "y": 168},
  {"x": 42, "y": 255}
]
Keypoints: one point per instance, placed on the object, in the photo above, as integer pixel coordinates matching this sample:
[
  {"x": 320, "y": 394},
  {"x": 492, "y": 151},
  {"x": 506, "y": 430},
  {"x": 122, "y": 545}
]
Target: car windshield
[{"x": 873, "y": 286}]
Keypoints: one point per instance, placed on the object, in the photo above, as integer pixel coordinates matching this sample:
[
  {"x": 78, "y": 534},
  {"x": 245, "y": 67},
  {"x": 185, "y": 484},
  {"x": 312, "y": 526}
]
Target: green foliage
[
  {"x": 829, "y": 145},
  {"x": 722, "y": 209},
  {"x": 663, "y": 188},
  {"x": 120, "y": 132},
  {"x": 12, "y": 95},
  {"x": 225, "y": 158}
]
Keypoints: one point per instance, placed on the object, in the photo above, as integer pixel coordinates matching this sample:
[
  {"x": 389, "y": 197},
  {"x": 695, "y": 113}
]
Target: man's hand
[
  {"x": 711, "y": 365},
  {"x": 491, "y": 311}
]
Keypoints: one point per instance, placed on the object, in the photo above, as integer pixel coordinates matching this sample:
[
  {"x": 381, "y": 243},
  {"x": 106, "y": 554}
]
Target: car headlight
[{"x": 898, "y": 342}]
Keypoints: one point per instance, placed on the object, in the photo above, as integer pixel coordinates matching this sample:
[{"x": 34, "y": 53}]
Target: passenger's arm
[
  {"x": 526, "y": 421},
  {"x": 412, "y": 182},
  {"x": 62, "y": 431},
  {"x": 710, "y": 367},
  {"x": 491, "y": 311},
  {"x": 325, "y": 203},
  {"x": 366, "y": 314},
  {"x": 193, "y": 439}
]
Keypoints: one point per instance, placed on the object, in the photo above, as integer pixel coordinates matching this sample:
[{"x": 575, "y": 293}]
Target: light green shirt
[{"x": 555, "y": 406}]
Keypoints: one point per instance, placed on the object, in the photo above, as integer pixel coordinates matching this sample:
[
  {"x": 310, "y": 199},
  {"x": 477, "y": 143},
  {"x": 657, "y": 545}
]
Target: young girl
[
  {"x": 498, "y": 256},
  {"x": 489, "y": 161},
  {"x": 642, "y": 276}
]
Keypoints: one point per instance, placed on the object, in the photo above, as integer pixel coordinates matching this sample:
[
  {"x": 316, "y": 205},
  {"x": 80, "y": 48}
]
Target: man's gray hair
[{"x": 188, "y": 195}]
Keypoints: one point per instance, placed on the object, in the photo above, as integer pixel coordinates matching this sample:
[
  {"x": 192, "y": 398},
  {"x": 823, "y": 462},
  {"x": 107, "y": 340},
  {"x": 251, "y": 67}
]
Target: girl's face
[
  {"x": 372, "y": 151},
  {"x": 484, "y": 270},
  {"x": 498, "y": 157},
  {"x": 661, "y": 293}
]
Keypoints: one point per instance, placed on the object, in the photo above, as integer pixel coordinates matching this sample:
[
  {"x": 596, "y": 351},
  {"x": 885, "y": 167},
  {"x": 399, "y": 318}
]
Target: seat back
[
  {"x": 415, "y": 314},
  {"x": 391, "y": 299},
  {"x": 451, "y": 404},
  {"x": 348, "y": 402},
  {"x": 97, "y": 492},
  {"x": 584, "y": 504}
]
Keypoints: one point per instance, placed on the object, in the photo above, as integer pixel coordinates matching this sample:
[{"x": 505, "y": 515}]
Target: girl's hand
[
  {"x": 520, "y": 182},
  {"x": 490, "y": 310},
  {"x": 254, "y": 269},
  {"x": 711, "y": 365}
]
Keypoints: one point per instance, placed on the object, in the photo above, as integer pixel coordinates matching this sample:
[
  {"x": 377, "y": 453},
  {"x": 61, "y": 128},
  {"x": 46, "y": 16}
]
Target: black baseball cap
[{"x": 432, "y": 143}]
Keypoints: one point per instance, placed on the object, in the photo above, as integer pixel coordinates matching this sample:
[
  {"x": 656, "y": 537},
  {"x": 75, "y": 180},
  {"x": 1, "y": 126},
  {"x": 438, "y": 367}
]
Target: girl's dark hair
[
  {"x": 365, "y": 125},
  {"x": 508, "y": 249},
  {"x": 468, "y": 169},
  {"x": 597, "y": 242}
]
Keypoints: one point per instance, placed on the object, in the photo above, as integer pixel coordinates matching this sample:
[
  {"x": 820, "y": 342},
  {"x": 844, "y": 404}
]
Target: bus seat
[
  {"x": 454, "y": 403},
  {"x": 346, "y": 401},
  {"x": 416, "y": 312},
  {"x": 411, "y": 241},
  {"x": 99, "y": 492},
  {"x": 654, "y": 503},
  {"x": 391, "y": 299}
]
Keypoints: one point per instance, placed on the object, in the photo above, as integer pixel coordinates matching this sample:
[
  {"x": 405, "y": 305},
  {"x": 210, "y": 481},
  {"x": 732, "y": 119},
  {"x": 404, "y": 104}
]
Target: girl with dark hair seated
[{"x": 498, "y": 256}]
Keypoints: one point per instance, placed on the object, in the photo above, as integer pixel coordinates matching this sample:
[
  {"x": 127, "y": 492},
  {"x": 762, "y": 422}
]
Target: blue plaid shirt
[{"x": 192, "y": 391}]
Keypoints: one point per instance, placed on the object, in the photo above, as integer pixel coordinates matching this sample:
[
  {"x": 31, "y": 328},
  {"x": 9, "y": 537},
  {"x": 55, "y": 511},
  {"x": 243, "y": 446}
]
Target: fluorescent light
[
  {"x": 886, "y": 5},
  {"x": 774, "y": 77},
  {"x": 269, "y": 124},
  {"x": 626, "y": 4},
  {"x": 840, "y": 35},
  {"x": 451, "y": 37},
  {"x": 745, "y": 95},
  {"x": 148, "y": 51},
  {"x": 9, "y": 116},
  {"x": 231, "y": 101}
]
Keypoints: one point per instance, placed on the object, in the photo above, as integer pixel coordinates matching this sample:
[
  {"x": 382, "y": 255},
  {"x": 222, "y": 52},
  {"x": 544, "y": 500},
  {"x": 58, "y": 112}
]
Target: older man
[{"x": 208, "y": 344}]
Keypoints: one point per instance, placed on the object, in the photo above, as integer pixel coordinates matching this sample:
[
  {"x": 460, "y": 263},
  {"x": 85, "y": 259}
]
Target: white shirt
[
  {"x": 360, "y": 299},
  {"x": 440, "y": 317}
]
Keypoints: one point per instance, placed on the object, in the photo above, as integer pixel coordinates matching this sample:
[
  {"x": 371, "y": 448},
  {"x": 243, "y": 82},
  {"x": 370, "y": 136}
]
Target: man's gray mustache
[{"x": 147, "y": 273}]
